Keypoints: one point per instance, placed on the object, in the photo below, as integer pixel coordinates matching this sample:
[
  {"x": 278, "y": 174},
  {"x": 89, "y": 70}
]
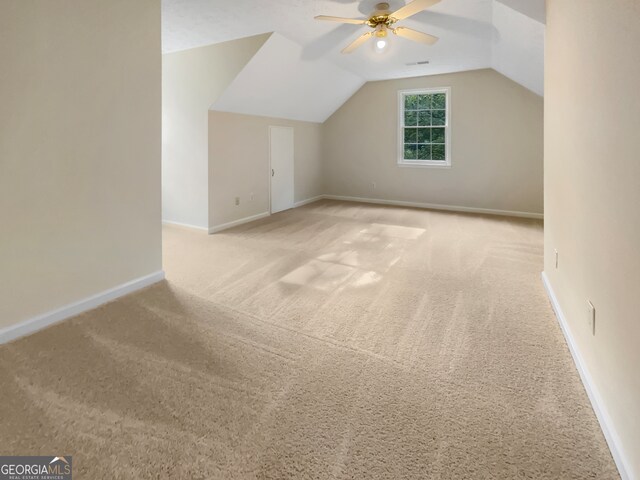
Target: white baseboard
[
  {"x": 399, "y": 203},
  {"x": 308, "y": 201},
  {"x": 434, "y": 206},
  {"x": 34, "y": 324},
  {"x": 185, "y": 225},
  {"x": 235, "y": 223},
  {"x": 606, "y": 424}
]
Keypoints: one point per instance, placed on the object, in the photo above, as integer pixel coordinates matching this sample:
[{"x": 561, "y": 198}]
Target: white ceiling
[
  {"x": 518, "y": 48},
  {"x": 288, "y": 87},
  {"x": 507, "y": 35},
  {"x": 531, "y": 8}
]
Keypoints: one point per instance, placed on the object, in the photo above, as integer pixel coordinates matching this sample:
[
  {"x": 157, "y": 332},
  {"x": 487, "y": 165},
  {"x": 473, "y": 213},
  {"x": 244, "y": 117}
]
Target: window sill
[{"x": 424, "y": 165}]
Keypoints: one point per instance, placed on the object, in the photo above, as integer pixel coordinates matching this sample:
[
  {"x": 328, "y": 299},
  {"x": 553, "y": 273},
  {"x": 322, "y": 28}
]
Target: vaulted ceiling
[
  {"x": 288, "y": 88},
  {"x": 507, "y": 35}
]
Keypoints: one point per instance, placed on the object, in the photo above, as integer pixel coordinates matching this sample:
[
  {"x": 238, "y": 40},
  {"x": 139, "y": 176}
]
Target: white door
[{"x": 281, "y": 145}]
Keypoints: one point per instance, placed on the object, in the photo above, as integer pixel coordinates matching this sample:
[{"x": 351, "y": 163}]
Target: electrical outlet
[
  {"x": 556, "y": 259},
  {"x": 237, "y": 201},
  {"x": 373, "y": 185},
  {"x": 591, "y": 312},
  {"x": 251, "y": 197}
]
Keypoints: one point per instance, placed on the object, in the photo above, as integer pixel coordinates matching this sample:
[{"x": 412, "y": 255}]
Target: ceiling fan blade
[
  {"x": 359, "y": 41},
  {"x": 354, "y": 21},
  {"x": 412, "y": 8},
  {"x": 416, "y": 36}
]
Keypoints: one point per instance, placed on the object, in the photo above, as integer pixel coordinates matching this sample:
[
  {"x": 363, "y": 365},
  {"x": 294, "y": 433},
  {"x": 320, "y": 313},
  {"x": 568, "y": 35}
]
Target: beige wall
[
  {"x": 239, "y": 164},
  {"x": 497, "y": 145},
  {"x": 192, "y": 81},
  {"x": 79, "y": 150},
  {"x": 592, "y": 195}
]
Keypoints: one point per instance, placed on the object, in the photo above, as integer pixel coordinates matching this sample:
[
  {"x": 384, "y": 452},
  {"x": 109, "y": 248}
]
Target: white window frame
[{"x": 424, "y": 163}]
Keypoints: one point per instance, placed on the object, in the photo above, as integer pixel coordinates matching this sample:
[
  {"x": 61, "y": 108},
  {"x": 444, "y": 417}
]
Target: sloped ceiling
[
  {"x": 301, "y": 74},
  {"x": 464, "y": 26},
  {"x": 279, "y": 82},
  {"x": 534, "y": 9},
  {"x": 518, "y": 46}
]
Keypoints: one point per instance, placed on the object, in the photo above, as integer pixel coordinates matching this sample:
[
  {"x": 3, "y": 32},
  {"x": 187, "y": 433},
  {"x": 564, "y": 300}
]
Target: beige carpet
[{"x": 333, "y": 341}]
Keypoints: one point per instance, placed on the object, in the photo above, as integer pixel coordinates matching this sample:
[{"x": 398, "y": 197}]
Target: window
[{"x": 424, "y": 133}]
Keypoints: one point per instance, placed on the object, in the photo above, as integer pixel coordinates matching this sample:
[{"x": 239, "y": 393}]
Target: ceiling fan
[{"x": 382, "y": 21}]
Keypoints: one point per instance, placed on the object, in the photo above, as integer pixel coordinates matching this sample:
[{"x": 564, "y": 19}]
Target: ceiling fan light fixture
[
  {"x": 380, "y": 38},
  {"x": 381, "y": 31},
  {"x": 380, "y": 45}
]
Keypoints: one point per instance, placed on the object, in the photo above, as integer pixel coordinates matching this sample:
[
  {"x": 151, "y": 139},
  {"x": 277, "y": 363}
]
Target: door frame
[{"x": 293, "y": 166}]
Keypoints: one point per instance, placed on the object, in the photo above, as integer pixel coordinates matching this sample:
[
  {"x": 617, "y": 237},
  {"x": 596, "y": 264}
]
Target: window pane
[
  {"x": 424, "y": 102},
  {"x": 424, "y": 124},
  {"x": 424, "y": 152},
  {"x": 424, "y": 119},
  {"x": 438, "y": 152},
  {"x": 410, "y": 152},
  {"x": 410, "y": 135},
  {"x": 437, "y": 135},
  {"x": 438, "y": 117},
  {"x": 411, "y": 102},
  {"x": 439, "y": 101},
  {"x": 424, "y": 135},
  {"x": 411, "y": 119}
]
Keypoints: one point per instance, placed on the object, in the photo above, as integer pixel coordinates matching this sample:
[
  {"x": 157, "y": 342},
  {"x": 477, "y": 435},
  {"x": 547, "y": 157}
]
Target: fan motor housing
[
  {"x": 381, "y": 16},
  {"x": 376, "y": 20}
]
